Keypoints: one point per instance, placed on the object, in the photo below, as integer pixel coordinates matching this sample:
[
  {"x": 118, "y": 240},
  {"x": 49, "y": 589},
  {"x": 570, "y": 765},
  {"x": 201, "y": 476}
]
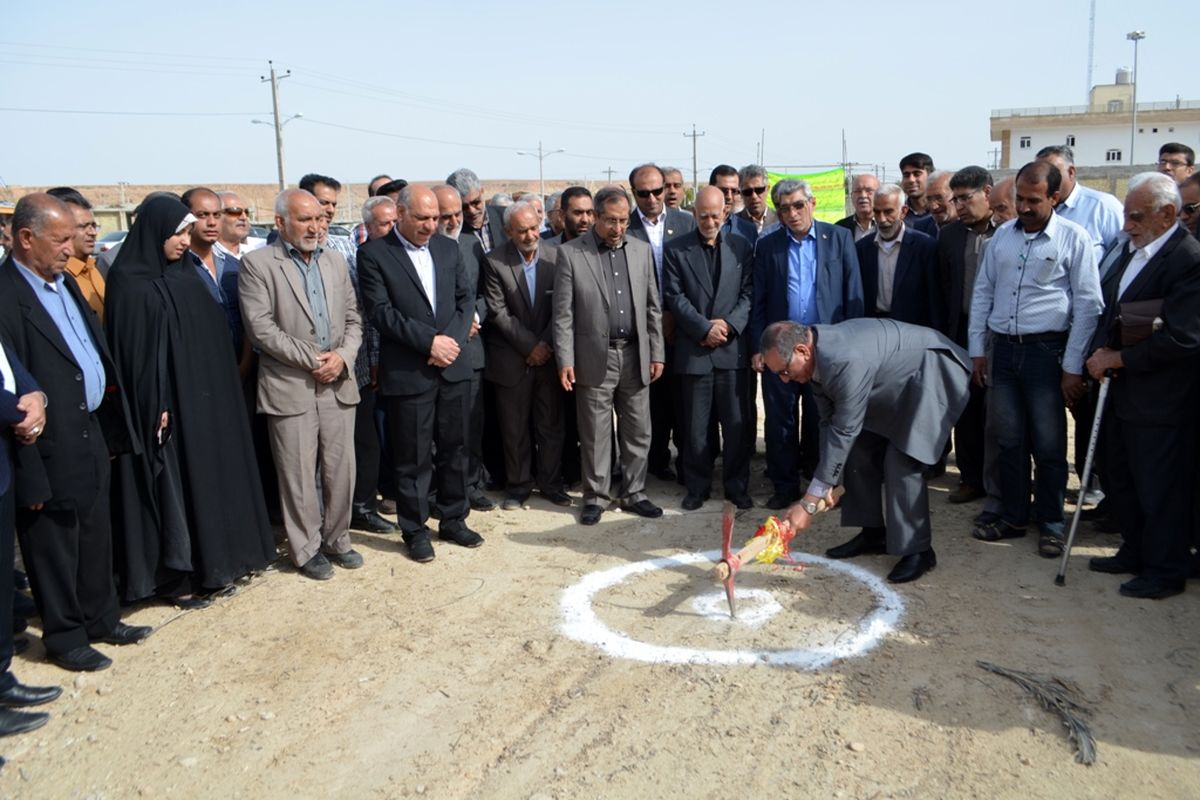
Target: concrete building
[{"x": 1099, "y": 131}]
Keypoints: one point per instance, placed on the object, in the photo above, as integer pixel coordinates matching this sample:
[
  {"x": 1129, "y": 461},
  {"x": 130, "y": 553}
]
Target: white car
[{"x": 108, "y": 241}]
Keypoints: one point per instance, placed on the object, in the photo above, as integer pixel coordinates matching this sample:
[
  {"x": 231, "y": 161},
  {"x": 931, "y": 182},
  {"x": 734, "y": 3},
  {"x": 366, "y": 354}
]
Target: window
[
  {"x": 1025, "y": 142},
  {"x": 1116, "y": 105},
  {"x": 1154, "y": 130},
  {"x": 1070, "y": 140},
  {"x": 1113, "y": 155}
]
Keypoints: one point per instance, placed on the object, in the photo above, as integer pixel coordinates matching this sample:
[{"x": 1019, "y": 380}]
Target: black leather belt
[
  {"x": 620, "y": 344},
  {"x": 1032, "y": 338}
]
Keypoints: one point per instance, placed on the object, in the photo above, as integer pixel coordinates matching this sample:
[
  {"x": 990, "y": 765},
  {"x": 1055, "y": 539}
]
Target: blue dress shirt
[{"x": 802, "y": 277}]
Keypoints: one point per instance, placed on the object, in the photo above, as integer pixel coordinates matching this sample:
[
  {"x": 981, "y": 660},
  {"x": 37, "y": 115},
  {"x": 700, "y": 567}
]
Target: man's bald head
[
  {"x": 417, "y": 207},
  {"x": 43, "y": 233},
  {"x": 709, "y": 211},
  {"x": 1003, "y": 200}
]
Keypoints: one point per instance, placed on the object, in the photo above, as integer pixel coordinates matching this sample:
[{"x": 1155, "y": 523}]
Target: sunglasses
[
  {"x": 235, "y": 212},
  {"x": 1190, "y": 208},
  {"x": 752, "y": 190},
  {"x": 644, "y": 193}
]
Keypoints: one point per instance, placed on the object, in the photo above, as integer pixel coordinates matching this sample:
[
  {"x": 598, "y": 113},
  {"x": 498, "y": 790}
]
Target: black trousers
[
  {"x": 68, "y": 555},
  {"x": 969, "y": 438},
  {"x": 718, "y": 396},
  {"x": 531, "y": 428},
  {"x": 480, "y": 453},
  {"x": 366, "y": 452},
  {"x": 1150, "y": 471},
  {"x": 424, "y": 428},
  {"x": 665, "y": 412},
  {"x": 793, "y": 444}
]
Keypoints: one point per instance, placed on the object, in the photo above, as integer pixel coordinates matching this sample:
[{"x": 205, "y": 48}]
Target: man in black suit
[
  {"x": 655, "y": 224},
  {"x": 22, "y": 419},
  {"x": 519, "y": 289},
  {"x": 415, "y": 291},
  {"x": 62, "y": 480},
  {"x": 1149, "y": 338},
  {"x": 899, "y": 275},
  {"x": 483, "y": 412},
  {"x": 960, "y": 247},
  {"x": 707, "y": 290}
]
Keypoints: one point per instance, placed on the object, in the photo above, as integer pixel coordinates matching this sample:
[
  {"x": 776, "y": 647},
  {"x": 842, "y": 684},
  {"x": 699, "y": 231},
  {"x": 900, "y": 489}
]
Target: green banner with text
[{"x": 829, "y": 188}]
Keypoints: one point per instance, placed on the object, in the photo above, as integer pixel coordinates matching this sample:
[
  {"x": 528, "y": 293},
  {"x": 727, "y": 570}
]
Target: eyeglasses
[
  {"x": 235, "y": 212},
  {"x": 1189, "y": 208},
  {"x": 615, "y": 222},
  {"x": 644, "y": 193},
  {"x": 752, "y": 190},
  {"x": 728, "y": 191},
  {"x": 1172, "y": 162},
  {"x": 961, "y": 199},
  {"x": 787, "y": 208}
]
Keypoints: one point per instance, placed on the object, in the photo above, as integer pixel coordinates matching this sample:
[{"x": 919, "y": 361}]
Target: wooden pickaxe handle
[{"x": 756, "y": 545}]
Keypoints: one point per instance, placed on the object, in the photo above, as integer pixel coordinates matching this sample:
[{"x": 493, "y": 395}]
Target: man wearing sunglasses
[
  {"x": 483, "y": 220},
  {"x": 1189, "y": 209},
  {"x": 234, "y": 239},
  {"x": 654, "y": 224},
  {"x": 752, "y": 183}
]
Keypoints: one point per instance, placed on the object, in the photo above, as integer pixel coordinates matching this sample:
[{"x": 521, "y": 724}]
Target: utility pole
[
  {"x": 541, "y": 156},
  {"x": 762, "y": 147},
  {"x": 274, "y": 81},
  {"x": 1135, "y": 37},
  {"x": 609, "y": 172},
  {"x": 695, "y": 168}
]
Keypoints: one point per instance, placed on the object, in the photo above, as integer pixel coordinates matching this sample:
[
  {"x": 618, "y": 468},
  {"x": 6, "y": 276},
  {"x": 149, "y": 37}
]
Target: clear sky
[{"x": 418, "y": 90}]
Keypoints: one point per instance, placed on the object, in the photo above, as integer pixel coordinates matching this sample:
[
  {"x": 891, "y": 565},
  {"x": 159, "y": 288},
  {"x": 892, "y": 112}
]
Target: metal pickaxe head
[{"x": 727, "y": 557}]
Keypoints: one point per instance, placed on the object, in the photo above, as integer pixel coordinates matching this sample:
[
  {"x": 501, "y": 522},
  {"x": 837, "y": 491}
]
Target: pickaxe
[{"x": 768, "y": 543}]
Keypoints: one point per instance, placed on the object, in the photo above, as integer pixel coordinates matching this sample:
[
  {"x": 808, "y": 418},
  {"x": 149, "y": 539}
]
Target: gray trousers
[
  {"x": 320, "y": 439},
  {"x": 624, "y": 392},
  {"x": 886, "y": 488}
]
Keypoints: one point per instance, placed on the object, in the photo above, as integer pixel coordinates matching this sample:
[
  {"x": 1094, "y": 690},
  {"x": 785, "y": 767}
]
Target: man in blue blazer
[
  {"x": 899, "y": 267},
  {"x": 805, "y": 271}
]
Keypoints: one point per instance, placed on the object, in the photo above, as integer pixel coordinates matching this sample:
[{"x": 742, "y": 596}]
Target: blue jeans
[{"x": 1029, "y": 418}]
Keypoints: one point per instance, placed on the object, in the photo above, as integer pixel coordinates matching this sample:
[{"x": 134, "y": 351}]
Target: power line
[
  {"x": 45, "y": 45},
  {"x": 134, "y": 113}
]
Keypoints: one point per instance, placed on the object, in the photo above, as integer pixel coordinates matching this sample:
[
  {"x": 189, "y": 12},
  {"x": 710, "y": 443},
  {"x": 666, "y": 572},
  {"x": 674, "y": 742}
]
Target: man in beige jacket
[{"x": 300, "y": 313}]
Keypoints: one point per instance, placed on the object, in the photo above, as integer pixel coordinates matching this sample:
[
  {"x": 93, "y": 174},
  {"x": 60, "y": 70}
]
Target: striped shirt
[{"x": 1042, "y": 283}]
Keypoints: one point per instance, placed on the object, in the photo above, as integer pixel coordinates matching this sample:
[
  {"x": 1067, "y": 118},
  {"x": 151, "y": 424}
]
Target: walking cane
[{"x": 1061, "y": 578}]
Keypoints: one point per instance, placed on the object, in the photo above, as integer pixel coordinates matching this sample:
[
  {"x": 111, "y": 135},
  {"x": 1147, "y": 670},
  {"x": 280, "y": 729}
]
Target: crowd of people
[{"x": 166, "y": 404}]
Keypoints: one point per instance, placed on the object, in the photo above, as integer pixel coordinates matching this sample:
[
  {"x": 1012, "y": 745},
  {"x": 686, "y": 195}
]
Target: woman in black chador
[{"x": 188, "y": 514}]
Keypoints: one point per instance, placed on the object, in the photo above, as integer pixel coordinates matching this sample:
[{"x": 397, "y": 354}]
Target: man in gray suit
[
  {"x": 301, "y": 314},
  {"x": 888, "y": 394},
  {"x": 609, "y": 345}
]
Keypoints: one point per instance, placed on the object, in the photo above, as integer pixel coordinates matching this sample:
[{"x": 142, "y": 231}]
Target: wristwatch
[{"x": 809, "y": 506}]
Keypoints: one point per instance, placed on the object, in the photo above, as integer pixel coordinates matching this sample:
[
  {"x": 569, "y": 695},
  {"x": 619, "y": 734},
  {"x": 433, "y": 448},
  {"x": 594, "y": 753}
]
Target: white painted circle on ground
[
  {"x": 580, "y": 621},
  {"x": 754, "y": 606}
]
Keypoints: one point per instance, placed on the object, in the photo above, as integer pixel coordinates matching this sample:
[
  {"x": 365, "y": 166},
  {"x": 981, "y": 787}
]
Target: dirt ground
[{"x": 455, "y": 679}]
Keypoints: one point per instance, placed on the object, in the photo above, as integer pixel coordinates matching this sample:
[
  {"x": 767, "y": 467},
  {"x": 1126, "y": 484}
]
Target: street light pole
[
  {"x": 541, "y": 156},
  {"x": 279, "y": 126},
  {"x": 274, "y": 81},
  {"x": 1135, "y": 37}
]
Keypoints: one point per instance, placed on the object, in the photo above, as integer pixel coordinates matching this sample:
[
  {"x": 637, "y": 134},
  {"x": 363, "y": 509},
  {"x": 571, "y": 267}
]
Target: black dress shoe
[
  {"x": 386, "y": 506},
  {"x": 420, "y": 548},
  {"x": 693, "y": 501},
  {"x": 126, "y": 634},
  {"x": 318, "y": 568},
  {"x": 13, "y": 722},
  {"x": 481, "y": 502},
  {"x": 782, "y": 499},
  {"x": 513, "y": 502},
  {"x": 643, "y": 508},
  {"x": 351, "y": 559},
  {"x": 591, "y": 514},
  {"x": 1113, "y": 565},
  {"x": 666, "y": 473},
  {"x": 463, "y": 536},
  {"x": 1152, "y": 588},
  {"x": 743, "y": 501},
  {"x": 912, "y": 566},
  {"x": 22, "y": 695},
  {"x": 371, "y": 522},
  {"x": 869, "y": 542},
  {"x": 188, "y": 602},
  {"x": 81, "y": 659},
  {"x": 558, "y": 497}
]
